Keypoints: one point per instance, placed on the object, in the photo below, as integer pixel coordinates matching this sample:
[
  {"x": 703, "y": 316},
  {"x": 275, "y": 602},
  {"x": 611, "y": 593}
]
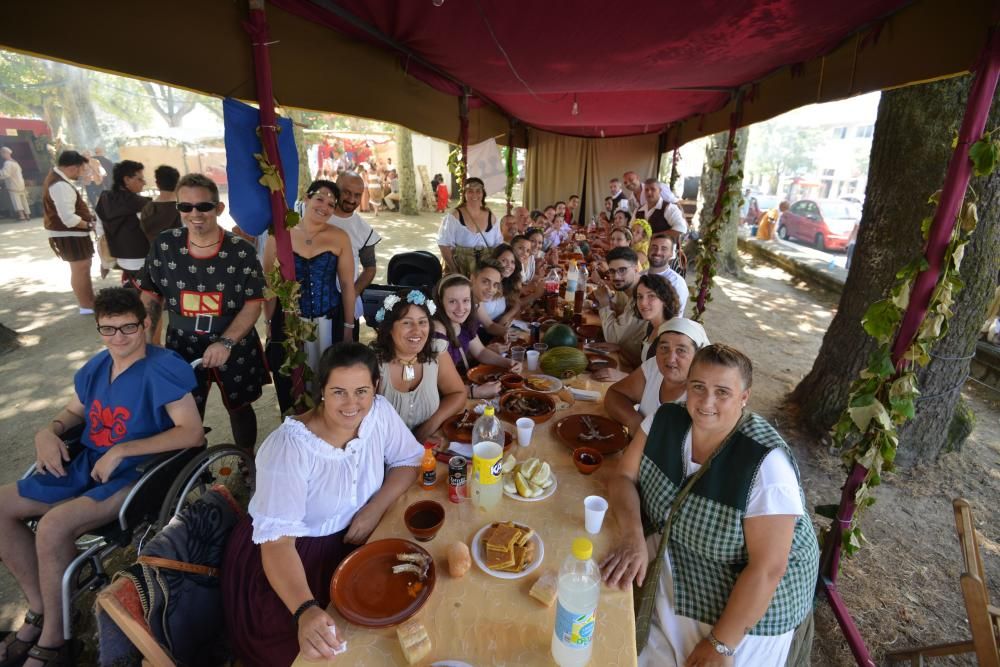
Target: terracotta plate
[
  {"x": 597, "y": 361},
  {"x": 484, "y": 373},
  {"x": 367, "y": 593},
  {"x": 445, "y": 455},
  {"x": 569, "y": 429},
  {"x": 454, "y": 432},
  {"x": 603, "y": 347},
  {"x": 512, "y": 415}
]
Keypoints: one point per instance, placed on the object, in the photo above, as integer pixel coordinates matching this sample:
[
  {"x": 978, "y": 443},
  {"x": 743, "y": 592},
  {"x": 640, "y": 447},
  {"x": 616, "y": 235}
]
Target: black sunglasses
[{"x": 202, "y": 206}]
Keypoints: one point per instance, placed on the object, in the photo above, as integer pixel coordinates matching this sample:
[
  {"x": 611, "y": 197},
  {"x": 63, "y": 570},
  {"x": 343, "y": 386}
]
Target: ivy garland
[
  {"x": 456, "y": 165},
  {"x": 882, "y": 398},
  {"x": 708, "y": 245},
  {"x": 297, "y": 329},
  {"x": 511, "y": 177}
]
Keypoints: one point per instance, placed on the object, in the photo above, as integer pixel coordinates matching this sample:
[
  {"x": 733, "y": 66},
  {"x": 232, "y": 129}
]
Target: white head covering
[{"x": 689, "y": 328}]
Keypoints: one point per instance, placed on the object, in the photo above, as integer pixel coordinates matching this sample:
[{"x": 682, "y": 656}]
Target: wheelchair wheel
[{"x": 224, "y": 465}]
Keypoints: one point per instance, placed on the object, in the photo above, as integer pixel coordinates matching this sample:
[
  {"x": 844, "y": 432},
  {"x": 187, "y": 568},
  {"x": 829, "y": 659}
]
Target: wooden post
[{"x": 463, "y": 137}]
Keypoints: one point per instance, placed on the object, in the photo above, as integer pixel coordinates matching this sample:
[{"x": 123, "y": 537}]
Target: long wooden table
[{"x": 480, "y": 619}]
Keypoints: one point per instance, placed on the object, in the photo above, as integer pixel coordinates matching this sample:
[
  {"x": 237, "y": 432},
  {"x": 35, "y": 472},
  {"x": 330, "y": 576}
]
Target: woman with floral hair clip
[{"x": 420, "y": 382}]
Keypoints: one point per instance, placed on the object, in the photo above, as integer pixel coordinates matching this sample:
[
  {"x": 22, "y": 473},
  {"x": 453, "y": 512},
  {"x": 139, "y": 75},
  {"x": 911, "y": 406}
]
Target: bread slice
[
  {"x": 414, "y": 641},
  {"x": 545, "y": 589}
]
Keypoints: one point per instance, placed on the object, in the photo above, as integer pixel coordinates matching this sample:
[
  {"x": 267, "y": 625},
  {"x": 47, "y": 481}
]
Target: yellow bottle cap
[
  {"x": 582, "y": 548},
  {"x": 488, "y": 411}
]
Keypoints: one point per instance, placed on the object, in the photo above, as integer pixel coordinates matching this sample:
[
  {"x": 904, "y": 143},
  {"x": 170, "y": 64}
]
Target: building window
[
  {"x": 828, "y": 172},
  {"x": 864, "y": 132},
  {"x": 840, "y": 133}
]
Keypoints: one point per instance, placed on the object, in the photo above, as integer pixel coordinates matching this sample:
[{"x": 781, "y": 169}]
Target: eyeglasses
[
  {"x": 202, "y": 206},
  {"x": 620, "y": 271},
  {"x": 128, "y": 329}
]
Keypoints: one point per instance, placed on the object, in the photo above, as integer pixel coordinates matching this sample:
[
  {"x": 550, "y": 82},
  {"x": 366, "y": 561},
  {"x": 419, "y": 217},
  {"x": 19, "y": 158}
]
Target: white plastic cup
[
  {"x": 532, "y": 356},
  {"x": 594, "y": 509},
  {"x": 525, "y": 426}
]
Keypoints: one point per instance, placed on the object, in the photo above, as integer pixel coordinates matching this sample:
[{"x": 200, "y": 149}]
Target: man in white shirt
[
  {"x": 619, "y": 199},
  {"x": 661, "y": 251},
  {"x": 68, "y": 221},
  {"x": 633, "y": 188},
  {"x": 661, "y": 215},
  {"x": 363, "y": 237},
  {"x": 13, "y": 181}
]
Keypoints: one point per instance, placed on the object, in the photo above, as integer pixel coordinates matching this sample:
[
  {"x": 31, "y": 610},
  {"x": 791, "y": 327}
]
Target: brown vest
[{"x": 51, "y": 216}]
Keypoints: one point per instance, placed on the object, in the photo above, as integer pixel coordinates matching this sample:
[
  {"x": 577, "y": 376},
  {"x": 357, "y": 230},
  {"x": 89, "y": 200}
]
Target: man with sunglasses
[
  {"x": 618, "y": 319},
  {"x": 133, "y": 400},
  {"x": 211, "y": 283}
]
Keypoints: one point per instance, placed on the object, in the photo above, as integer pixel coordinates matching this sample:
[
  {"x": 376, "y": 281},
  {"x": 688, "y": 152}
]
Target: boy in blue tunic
[{"x": 134, "y": 401}]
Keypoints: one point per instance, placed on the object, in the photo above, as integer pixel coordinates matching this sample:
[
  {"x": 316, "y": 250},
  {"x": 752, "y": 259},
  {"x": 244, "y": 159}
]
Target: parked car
[{"x": 825, "y": 223}]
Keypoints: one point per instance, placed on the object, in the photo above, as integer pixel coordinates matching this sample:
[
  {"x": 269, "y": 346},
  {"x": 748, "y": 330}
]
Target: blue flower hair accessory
[{"x": 416, "y": 297}]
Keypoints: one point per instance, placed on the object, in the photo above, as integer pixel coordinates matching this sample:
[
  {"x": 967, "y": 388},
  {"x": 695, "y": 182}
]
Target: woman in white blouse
[
  {"x": 468, "y": 232},
  {"x": 660, "y": 379},
  {"x": 324, "y": 480}
]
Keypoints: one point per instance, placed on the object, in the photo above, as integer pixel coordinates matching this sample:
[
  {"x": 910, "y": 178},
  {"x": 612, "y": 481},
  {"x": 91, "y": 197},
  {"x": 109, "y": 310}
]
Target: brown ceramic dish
[
  {"x": 590, "y": 332},
  {"x": 587, "y": 459},
  {"x": 596, "y": 362},
  {"x": 424, "y": 519},
  {"x": 367, "y": 593},
  {"x": 512, "y": 381},
  {"x": 485, "y": 373},
  {"x": 570, "y": 431},
  {"x": 542, "y": 406}
]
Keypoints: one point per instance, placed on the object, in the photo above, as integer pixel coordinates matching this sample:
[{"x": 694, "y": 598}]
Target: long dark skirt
[{"x": 259, "y": 626}]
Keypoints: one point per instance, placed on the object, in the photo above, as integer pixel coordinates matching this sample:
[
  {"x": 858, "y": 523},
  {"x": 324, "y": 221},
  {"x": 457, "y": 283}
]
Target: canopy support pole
[
  {"x": 510, "y": 165},
  {"x": 257, "y": 28},
  {"x": 953, "y": 190},
  {"x": 463, "y": 138},
  {"x": 727, "y": 162}
]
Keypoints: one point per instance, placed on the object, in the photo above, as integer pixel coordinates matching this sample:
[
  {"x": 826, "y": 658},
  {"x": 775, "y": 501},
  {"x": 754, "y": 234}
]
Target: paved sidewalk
[{"x": 821, "y": 268}]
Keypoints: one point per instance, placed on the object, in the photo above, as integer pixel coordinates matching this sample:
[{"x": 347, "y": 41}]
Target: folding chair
[{"x": 984, "y": 618}]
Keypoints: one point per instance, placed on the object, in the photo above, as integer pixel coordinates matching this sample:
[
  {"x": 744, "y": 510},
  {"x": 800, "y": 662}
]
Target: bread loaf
[
  {"x": 459, "y": 559},
  {"x": 414, "y": 641},
  {"x": 546, "y": 588}
]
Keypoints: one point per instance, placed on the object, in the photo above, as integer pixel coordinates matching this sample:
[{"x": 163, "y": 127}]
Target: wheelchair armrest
[{"x": 71, "y": 438}]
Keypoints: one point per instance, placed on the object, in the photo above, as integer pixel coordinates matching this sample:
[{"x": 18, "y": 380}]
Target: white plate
[
  {"x": 555, "y": 384},
  {"x": 476, "y": 547},
  {"x": 545, "y": 494}
]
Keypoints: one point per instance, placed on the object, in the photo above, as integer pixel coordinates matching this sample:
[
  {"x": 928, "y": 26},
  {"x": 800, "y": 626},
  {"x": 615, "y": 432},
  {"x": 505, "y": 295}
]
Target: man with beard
[
  {"x": 633, "y": 188},
  {"x": 619, "y": 321},
  {"x": 363, "y": 237},
  {"x": 661, "y": 214},
  {"x": 661, "y": 251}
]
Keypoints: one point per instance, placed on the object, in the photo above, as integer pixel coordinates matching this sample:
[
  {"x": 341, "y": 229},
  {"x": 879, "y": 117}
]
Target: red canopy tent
[{"x": 677, "y": 70}]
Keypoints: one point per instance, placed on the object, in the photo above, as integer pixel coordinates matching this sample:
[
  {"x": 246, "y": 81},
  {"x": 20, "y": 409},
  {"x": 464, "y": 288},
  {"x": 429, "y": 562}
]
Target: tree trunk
[
  {"x": 408, "y": 204},
  {"x": 909, "y": 156},
  {"x": 8, "y": 339},
  {"x": 298, "y": 119},
  {"x": 82, "y": 131},
  {"x": 728, "y": 258}
]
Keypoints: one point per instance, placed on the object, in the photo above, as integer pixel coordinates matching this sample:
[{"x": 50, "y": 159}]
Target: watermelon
[
  {"x": 563, "y": 362},
  {"x": 560, "y": 335}
]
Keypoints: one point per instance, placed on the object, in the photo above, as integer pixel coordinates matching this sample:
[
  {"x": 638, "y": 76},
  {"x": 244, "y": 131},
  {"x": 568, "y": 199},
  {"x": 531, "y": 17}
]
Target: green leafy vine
[
  {"x": 297, "y": 331},
  {"x": 456, "y": 165},
  {"x": 884, "y": 397},
  {"x": 711, "y": 233}
]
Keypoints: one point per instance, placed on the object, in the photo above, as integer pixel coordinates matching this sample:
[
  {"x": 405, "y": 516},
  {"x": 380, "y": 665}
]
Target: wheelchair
[{"x": 170, "y": 481}]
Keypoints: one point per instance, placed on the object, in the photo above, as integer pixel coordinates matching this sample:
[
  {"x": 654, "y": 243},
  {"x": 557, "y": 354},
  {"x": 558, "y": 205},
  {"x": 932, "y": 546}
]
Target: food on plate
[
  {"x": 544, "y": 590},
  {"x": 507, "y": 547},
  {"x": 527, "y": 404},
  {"x": 414, "y": 641},
  {"x": 459, "y": 559},
  {"x": 527, "y": 479},
  {"x": 593, "y": 431},
  {"x": 563, "y": 362},
  {"x": 538, "y": 383},
  {"x": 414, "y": 563}
]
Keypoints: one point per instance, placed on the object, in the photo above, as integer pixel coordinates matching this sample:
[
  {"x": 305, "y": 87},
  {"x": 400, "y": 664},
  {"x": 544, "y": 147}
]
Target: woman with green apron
[{"x": 469, "y": 232}]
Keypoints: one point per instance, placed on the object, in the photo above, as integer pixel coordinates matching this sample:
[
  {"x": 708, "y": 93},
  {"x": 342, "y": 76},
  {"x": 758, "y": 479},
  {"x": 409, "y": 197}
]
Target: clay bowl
[
  {"x": 587, "y": 459},
  {"x": 424, "y": 519},
  {"x": 512, "y": 415},
  {"x": 548, "y": 324},
  {"x": 590, "y": 332},
  {"x": 512, "y": 381}
]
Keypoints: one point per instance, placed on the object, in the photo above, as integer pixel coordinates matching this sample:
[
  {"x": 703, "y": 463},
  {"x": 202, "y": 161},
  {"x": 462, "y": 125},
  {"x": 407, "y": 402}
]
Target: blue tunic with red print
[{"x": 132, "y": 407}]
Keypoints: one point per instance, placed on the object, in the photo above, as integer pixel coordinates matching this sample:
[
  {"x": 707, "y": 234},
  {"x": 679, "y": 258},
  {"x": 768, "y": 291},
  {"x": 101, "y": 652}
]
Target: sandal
[
  {"x": 61, "y": 656},
  {"x": 17, "y": 649}
]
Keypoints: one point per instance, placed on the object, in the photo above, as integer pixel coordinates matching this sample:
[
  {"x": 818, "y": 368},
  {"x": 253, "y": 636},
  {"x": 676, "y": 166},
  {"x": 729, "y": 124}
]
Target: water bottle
[
  {"x": 571, "y": 278},
  {"x": 576, "y": 606},
  {"x": 487, "y": 463}
]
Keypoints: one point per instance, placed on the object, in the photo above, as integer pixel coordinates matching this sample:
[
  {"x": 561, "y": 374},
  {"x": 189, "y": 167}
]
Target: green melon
[
  {"x": 560, "y": 335},
  {"x": 563, "y": 362}
]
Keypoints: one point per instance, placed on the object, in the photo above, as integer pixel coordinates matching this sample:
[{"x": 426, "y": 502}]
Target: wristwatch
[
  {"x": 720, "y": 648},
  {"x": 227, "y": 342}
]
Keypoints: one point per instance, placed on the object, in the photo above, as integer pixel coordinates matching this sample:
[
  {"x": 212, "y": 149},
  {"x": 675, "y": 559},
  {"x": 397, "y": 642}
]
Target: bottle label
[
  {"x": 574, "y": 630},
  {"x": 430, "y": 477}
]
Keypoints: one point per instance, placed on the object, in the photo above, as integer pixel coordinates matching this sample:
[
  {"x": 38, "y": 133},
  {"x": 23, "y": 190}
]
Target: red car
[{"x": 824, "y": 223}]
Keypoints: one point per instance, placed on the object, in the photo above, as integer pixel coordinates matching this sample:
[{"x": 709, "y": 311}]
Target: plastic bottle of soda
[
  {"x": 487, "y": 452},
  {"x": 578, "y": 592},
  {"x": 428, "y": 467}
]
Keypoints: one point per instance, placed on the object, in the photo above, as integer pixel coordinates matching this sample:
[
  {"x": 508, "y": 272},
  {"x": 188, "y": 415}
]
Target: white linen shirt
[
  {"x": 309, "y": 488},
  {"x": 676, "y": 281},
  {"x": 454, "y": 234},
  {"x": 671, "y": 212},
  {"x": 362, "y": 235}
]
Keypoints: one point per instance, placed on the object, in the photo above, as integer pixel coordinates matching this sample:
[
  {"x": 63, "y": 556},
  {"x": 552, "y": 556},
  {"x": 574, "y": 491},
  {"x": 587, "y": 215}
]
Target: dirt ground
[{"x": 902, "y": 589}]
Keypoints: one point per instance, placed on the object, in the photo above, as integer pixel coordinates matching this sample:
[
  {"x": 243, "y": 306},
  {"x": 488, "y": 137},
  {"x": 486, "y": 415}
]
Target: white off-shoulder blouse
[{"x": 309, "y": 488}]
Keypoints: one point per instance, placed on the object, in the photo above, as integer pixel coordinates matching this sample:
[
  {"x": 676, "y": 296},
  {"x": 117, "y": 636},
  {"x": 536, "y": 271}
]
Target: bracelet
[
  {"x": 308, "y": 604},
  {"x": 349, "y": 326},
  {"x": 59, "y": 421},
  {"x": 472, "y": 388}
]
